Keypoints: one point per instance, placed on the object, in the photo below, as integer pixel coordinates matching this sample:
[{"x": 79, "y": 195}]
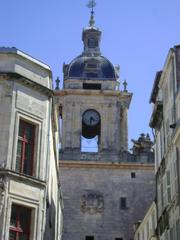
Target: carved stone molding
[{"x": 92, "y": 203}]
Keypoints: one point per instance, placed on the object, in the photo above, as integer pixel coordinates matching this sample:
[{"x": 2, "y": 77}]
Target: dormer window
[{"x": 92, "y": 42}]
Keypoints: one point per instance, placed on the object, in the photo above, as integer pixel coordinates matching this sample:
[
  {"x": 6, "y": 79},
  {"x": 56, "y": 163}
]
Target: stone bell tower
[
  {"x": 92, "y": 105},
  {"x": 101, "y": 180}
]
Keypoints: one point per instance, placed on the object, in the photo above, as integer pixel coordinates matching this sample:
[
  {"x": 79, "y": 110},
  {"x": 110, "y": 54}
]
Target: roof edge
[{"x": 14, "y": 50}]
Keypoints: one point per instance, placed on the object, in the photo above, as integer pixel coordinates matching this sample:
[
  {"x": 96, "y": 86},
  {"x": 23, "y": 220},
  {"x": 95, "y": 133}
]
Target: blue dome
[{"x": 91, "y": 67}]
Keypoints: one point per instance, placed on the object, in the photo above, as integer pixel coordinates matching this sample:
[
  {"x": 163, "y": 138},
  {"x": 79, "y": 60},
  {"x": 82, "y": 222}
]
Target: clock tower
[
  {"x": 94, "y": 109},
  {"x": 101, "y": 180}
]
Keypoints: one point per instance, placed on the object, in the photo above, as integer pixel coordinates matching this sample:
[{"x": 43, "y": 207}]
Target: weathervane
[{"x": 91, "y": 4}]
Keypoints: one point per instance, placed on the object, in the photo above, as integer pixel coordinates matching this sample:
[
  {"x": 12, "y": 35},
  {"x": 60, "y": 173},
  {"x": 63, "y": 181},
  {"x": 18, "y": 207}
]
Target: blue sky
[{"x": 136, "y": 35}]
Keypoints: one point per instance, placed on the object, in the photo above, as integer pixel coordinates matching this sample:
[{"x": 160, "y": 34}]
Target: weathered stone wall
[
  {"x": 92, "y": 192},
  {"x": 6, "y": 93},
  {"x": 146, "y": 228},
  {"x": 112, "y": 107},
  {"x": 165, "y": 145}
]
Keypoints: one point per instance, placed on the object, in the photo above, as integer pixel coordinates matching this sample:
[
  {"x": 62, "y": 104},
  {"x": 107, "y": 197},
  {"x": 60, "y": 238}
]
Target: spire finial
[{"x": 91, "y": 4}]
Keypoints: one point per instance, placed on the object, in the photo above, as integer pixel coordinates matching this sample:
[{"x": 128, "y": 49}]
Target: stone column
[
  {"x": 76, "y": 127},
  {"x": 123, "y": 129}
]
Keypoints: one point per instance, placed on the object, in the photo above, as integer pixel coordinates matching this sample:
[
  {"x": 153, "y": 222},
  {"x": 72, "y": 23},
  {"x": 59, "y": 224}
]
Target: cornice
[
  {"x": 26, "y": 81},
  {"x": 93, "y": 93},
  {"x": 21, "y": 177},
  {"x": 104, "y": 165}
]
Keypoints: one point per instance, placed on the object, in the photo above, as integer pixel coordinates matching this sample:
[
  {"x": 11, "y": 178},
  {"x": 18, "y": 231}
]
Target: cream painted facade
[
  {"x": 30, "y": 196},
  {"x": 165, "y": 121}
]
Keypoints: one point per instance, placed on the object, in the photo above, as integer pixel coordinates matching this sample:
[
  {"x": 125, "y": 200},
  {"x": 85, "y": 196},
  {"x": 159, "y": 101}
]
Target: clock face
[{"x": 91, "y": 118}]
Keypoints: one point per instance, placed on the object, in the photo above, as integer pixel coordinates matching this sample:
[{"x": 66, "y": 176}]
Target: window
[
  {"x": 147, "y": 229},
  {"x": 143, "y": 234},
  {"x": 177, "y": 229},
  {"x": 133, "y": 175},
  {"x": 123, "y": 204},
  {"x": 25, "y": 148},
  {"x": 20, "y": 223},
  {"x": 162, "y": 194},
  {"x": 153, "y": 221},
  {"x": 92, "y": 42},
  {"x": 171, "y": 234},
  {"x": 89, "y": 237},
  {"x": 92, "y": 86},
  {"x": 168, "y": 186}
]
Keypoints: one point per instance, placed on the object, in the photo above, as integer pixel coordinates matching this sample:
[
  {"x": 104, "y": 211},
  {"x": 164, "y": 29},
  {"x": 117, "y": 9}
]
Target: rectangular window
[
  {"x": 147, "y": 229},
  {"x": 168, "y": 187},
  {"x": 153, "y": 221},
  {"x": 89, "y": 238},
  {"x": 171, "y": 233},
  {"x": 93, "y": 86},
  {"x": 143, "y": 234},
  {"x": 162, "y": 194},
  {"x": 123, "y": 204},
  {"x": 25, "y": 148},
  {"x": 133, "y": 175},
  {"x": 20, "y": 223}
]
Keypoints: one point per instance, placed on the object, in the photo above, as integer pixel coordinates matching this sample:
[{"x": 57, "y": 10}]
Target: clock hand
[{"x": 91, "y": 120}]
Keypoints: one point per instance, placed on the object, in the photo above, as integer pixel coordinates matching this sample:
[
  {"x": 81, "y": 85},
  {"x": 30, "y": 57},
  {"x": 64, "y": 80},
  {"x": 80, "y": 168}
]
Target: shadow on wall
[{"x": 50, "y": 220}]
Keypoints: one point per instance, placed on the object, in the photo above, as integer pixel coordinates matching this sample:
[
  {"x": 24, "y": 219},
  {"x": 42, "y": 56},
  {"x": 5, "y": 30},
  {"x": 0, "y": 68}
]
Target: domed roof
[
  {"x": 90, "y": 64},
  {"x": 91, "y": 67}
]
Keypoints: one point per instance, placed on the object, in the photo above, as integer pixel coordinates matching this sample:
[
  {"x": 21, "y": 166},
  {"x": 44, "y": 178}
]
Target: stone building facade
[
  {"x": 105, "y": 187},
  {"x": 146, "y": 229},
  {"x": 30, "y": 197},
  {"x": 165, "y": 121},
  {"x": 103, "y": 200}
]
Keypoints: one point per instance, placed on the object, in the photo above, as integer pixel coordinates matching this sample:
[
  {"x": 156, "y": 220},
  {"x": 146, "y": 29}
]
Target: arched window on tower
[{"x": 91, "y": 128}]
